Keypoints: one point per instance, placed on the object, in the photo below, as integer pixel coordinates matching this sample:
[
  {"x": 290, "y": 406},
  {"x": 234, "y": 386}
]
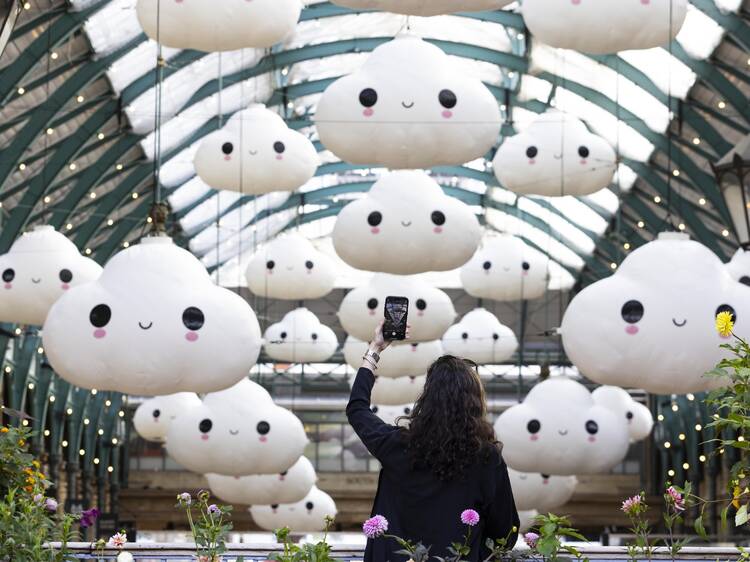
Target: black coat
[{"x": 418, "y": 505}]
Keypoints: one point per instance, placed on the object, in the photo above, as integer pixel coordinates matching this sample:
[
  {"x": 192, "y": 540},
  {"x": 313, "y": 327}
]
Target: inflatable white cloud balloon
[
  {"x": 300, "y": 338},
  {"x": 154, "y": 416},
  {"x": 399, "y": 360},
  {"x": 409, "y": 106},
  {"x": 406, "y": 224},
  {"x": 505, "y": 269},
  {"x": 154, "y": 323},
  {"x": 265, "y": 489},
  {"x": 393, "y": 415},
  {"x": 237, "y": 432},
  {"x": 605, "y": 26},
  {"x": 424, "y": 7},
  {"x": 218, "y": 26},
  {"x": 38, "y": 269},
  {"x": 639, "y": 418},
  {"x": 739, "y": 266},
  {"x": 541, "y": 492},
  {"x": 555, "y": 156},
  {"x": 305, "y": 516},
  {"x": 396, "y": 391},
  {"x": 290, "y": 267},
  {"x": 653, "y": 320},
  {"x": 256, "y": 152},
  {"x": 431, "y": 310},
  {"x": 481, "y": 337},
  {"x": 559, "y": 429}
]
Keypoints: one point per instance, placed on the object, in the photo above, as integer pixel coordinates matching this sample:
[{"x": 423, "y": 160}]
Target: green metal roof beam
[{"x": 732, "y": 23}]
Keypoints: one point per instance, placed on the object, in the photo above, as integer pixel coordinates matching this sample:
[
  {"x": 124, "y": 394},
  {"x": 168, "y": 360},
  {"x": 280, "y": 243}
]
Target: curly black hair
[{"x": 448, "y": 429}]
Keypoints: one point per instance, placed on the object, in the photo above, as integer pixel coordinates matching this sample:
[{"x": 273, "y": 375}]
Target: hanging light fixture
[{"x": 733, "y": 176}]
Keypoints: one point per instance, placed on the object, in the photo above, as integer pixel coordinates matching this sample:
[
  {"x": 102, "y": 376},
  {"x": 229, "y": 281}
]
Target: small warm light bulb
[
  {"x": 92, "y": 195},
  {"x": 121, "y": 414},
  {"x": 696, "y": 141},
  {"x": 81, "y": 452},
  {"x": 626, "y": 245},
  {"x": 667, "y": 444},
  {"x": 670, "y": 472},
  {"x": 64, "y": 443},
  {"x": 51, "y": 398},
  {"x": 94, "y": 391},
  {"x": 46, "y": 432},
  {"x": 702, "y": 458},
  {"x": 722, "y": 104},
  {"x": 22, "y": 166},
  {"x": 100, "y": 136},
  {"x": 660, "y": 417},
  {"x": 69, "y": 411},
  {"x": 87, "y": 251},
  {"x": 681, "y": 437},
  {"x": 79, "y": 99},
  {"x": 118, "y": 167},
  {"x": 685, "y": 465},
  {"x": 21, "y": 91},
  {"x": 110, "y": 222},
  {"x": 698, "y": 427},
  {"x": 641, "y": 224},
  {"x": 135, "y": 196},
  {"x": 54, "y": 55},
  {"x": 108, "y": 403},
  {"x": 675, "y": 407},
  {"x": 114, "y": 440},
  {"x": 47, "y": 198},
  {"x": 110, "y": 469},
  {"x": 725, "y": 233},
  {"x": 100, "y": 431},
  {"x": 681, "y": 226},
  {"x": 125, "y": 244},
  {"x": 31, "y": 386},
  {"x": 25, "y": 423},
  {"x": 96, "y": 461},
  {"x": 69, "y": 226},
  {"x": 86, "y": 421},
  {"x": 676, "y": 173},
  {"x": 50, "y": 130},
  {"x": 690, "y": 396}
]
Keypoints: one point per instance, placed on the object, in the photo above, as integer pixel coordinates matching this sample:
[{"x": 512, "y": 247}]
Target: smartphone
[{"x": 396, "y": 314}]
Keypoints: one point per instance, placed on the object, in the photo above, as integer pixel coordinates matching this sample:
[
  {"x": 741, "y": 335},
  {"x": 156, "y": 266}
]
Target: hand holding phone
[{"x": 396, "y": 316}]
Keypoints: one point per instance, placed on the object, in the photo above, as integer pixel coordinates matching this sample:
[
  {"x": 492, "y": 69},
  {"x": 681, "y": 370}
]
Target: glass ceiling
[{"x": 225, "y": 228}]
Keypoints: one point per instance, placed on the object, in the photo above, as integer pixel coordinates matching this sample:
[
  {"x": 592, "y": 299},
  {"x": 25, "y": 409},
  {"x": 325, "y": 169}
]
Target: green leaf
[
  {"x": 741, "y": 516},
  {"x": 699, "y": 528}
]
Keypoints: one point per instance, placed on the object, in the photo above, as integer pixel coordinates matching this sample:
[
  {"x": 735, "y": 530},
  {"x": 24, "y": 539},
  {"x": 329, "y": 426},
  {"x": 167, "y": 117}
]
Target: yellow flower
[
  {"x": 4, "y": 430},
  {"x": 725, "y": 323},
  {"x": 736, "y": 493},
  {"x": 35, "y": 464}
]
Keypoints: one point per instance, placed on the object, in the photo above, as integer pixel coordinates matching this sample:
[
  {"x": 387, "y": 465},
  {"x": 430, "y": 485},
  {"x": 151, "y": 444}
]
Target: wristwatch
[{"x": 373, "y": 356}]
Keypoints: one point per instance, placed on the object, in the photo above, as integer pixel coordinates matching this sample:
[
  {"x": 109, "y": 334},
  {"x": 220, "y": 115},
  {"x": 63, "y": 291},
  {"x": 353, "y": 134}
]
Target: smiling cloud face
[
  {"x": 393, "y": 415},
  {"x": 290, "y": 268},
  {"x": 300, "y": 338},
  {"x": 37, "y": 270},
  {"x": 408, "y": 211},
  {"x": 430, "y": 314},
  {"x": 651, "y": 324},
  {"x": 559, "y": 429},
  {"x": 505, "y": 269},
  {"x": 739, "y": 267},
  {"x": 154, "y": 416},
  {"x": 237, "y": 432},
  {"x": 306, "y": 516},
  {"x": 399, "y": 360},
  {"x": 638, "y": 417},
  {"x": 256, "y": 153},
  {"x": 481, "y": 337},
  {"x": 264, "y": 489},
  {"x": 609, "y": 26},
  {"x": 154, "y": 323},
  {"x": 424, "y": 7},
  {"x": 543, "y": 493},
  {"x": 218, "y": 26},
  {"x": 555, "y": 156},
  {"x": 410, "y": 106}
]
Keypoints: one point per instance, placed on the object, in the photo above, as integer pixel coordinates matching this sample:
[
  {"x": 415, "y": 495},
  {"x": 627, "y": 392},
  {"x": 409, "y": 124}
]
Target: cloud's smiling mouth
[
  {"x": 289, "y": 267},
  {"x": 562, "y": 432},
  {"x": 506, "y": 269},
  {"x": 234, "y": 431},
  {"x": 253, "y": 152},
  {"x": 145, "y": 327},
  {"x": 36, "y": 281},
  {"x": 557, "y": 156},
  {"x": 406, "y": 223},
  {"x": 679, "y": 324},
  {"x": 407, "y": 105}
]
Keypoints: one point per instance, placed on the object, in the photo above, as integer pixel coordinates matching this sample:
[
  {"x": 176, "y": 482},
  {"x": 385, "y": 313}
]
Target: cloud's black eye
[
  {"x": 374, "y": 409},
  {"x": 275, "y": 506},
  {"x": 495, "y": 337},
  {"x": 309, "y": 264},
  {"x": 283, "y": 335},
  {"x": 227, "y": 148},
  {"x": 534, "y": 426},
  {"x": 629, "y": 415},
  {"x": 8, "y": 275},
  {"x": 532, "y": 151},
  {"x": 438, "y": 218},
  {"x": 372, "y": 304},
  {"x": 632, "y": 312},
  {"x": 487, "y": 265},
  {"x": 279, "y": 147},
  {"x": 314, "y": 337},
  {"x": 729, "y": 309},
  {"x": 156, "y": 413},
  {"x": 525, "y": 266},
  {"x": 407, "y": 411},
  {"x": 309, "y": 506},
  {"x": 592, "y": 427},
  {"x": 193, "y": 318},
  {"x": 464, "y": 336},
  {"x": 100, "y": 315},
  {"x": 447, "y": 99},
  {"x": 745, "y": 280},
  {"x": 285, "y": 473},
  {"x": 583, "y": 152},
  {"x": 263, "y": 427},
  {"x": 205, "y": 425},
  {"x": 66, "y": 276},
  {"x": 421, "y": 304},
  {"x": 270, "y": 264},
  {"x": 375, "y": 218},
  {"x": 368, "y": 97}
]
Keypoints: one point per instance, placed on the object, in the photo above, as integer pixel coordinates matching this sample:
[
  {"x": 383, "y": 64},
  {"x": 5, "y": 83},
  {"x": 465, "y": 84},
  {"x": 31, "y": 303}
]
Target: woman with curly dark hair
[{"x": 445, "y": 460}]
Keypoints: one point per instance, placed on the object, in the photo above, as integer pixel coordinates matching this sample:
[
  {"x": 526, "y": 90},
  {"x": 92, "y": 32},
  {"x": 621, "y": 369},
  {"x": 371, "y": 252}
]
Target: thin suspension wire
[{"x": 159, "y": 80}]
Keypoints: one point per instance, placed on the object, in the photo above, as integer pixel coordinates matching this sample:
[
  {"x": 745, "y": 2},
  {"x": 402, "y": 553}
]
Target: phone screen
[{"x": 396, "y": 311}]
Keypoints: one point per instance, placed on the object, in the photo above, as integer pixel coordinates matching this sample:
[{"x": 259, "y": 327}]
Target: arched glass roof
[{"x": 79, "y": 118}]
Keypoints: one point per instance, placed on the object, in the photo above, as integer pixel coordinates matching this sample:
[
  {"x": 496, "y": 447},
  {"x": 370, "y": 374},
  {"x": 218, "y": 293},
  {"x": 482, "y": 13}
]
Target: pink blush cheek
[
  {"x": 631, "y": 330},
  {"x": 437, "y": 230},
  {"x": 447, "y": 114},
  {"x": 645, "y": 2},
  {"x": 65, "y": 286},
  {"x": 592, "y": 439},
  {"x": 99, "y": 333},
  {"x": 191, "y": 336},
  {"x": 9, "y": 285},
  {"x": 375, "y": 230},
  {"x": 372, "y": 313},
  {"x": 369, "y": 112},
  {"x": 279, "y": 157},
  {"x": 575, "y": 2},
  {"x": 534, "y": 438},
  {"x": 420, "y": 313},
  {"x": 263, "y": 439},
  {"x": 227, "y": 158},
  {"x": 532, "y": 161},
  {"x": 204, "y": 437}
]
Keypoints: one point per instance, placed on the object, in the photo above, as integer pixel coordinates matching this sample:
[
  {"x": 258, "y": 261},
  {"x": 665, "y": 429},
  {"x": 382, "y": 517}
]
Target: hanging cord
[
  {"x": 159, "y": 210},
  {"x": 46, "y": 136},
  {"x": 669, "y": 219},
  {"x": 218, "y": 192}
]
